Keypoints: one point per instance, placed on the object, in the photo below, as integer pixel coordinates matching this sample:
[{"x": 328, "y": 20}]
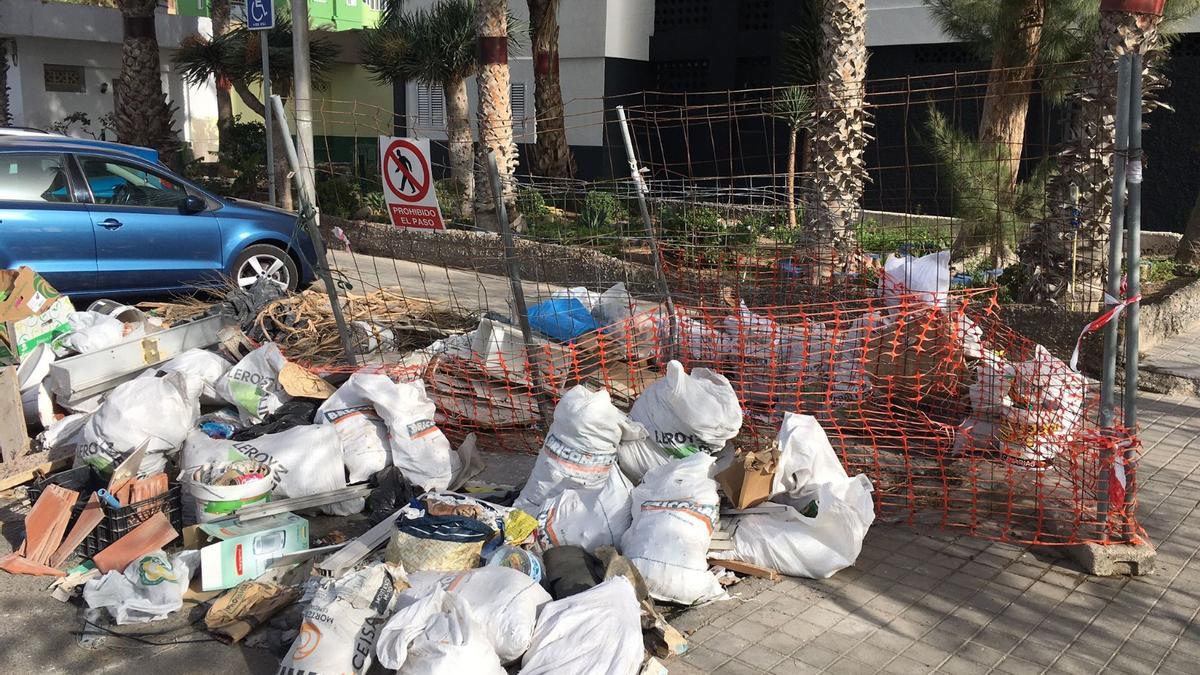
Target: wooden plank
[
  {"x": 761, "y": 508},
  {"x": 30, "y": 468},
  {"x": 14, "y": 441},
  {"x": 742, "y": 567}
]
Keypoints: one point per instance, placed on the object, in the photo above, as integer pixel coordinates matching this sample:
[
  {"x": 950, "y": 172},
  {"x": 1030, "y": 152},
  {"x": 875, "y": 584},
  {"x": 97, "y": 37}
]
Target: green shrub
[
  {"x": 600, "y": 210},
  {"x": 532, "y": 205},
  {"x": 450, "y": 195},
  {"x": 915, "y": 239},
  {"x": 338, "y": 195}
]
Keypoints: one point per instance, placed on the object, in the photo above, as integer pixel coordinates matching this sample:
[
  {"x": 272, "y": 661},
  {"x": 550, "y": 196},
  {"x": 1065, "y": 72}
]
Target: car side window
[
  {"x": 34, "y": 178},
  {"x": 124, "y": 184}
]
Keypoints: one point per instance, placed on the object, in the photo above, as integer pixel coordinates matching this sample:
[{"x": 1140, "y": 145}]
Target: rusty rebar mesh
[{"x": 787, "y": 296}]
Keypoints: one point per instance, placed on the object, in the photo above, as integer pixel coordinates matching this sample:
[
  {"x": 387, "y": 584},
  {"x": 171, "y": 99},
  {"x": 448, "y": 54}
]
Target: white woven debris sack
[
  {"x": 351, "y": 411},
  {"x": 675, "y": 510},
  {"x": 253, "y": 384},
  {"x": 342, "y": 622},
  {"x": 305, "y": 460},
  {"x": 419, "y": 448},
  {"x": 800, "y": 546},
  {"x": 579, "y": 449},
  {"x": 149, "y": 589},
  {"x": 684, "y": 414},
  {"x": 809, "y": 476},
  {"x": 503, "y": 601},
  {"x": 588, "y": 518},
  {"x": 203, "y": 370},
  {"x": 806, "y": 460},
  {"x": 1047, "y": 405},
  {"x": 926, "y": 278},
  {"x": 153, "y": 410},
  {"x": 587, "y": 298},
  {"x": 598, "y": 632},
  {"x": 433, "y": 633}
]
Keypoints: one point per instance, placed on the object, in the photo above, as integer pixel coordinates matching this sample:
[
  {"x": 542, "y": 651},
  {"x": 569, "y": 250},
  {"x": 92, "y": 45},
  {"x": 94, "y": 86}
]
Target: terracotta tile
[
  {"x": 16, "y": 564},
  {"x": 46, "y": 523},
  {"x": 87, "y": 521},
  {"x": 153, "y": 534}
]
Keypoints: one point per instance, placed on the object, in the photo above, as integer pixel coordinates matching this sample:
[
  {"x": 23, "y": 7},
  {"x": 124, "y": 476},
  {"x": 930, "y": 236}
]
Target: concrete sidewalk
[{"x": 923, "y": 603}]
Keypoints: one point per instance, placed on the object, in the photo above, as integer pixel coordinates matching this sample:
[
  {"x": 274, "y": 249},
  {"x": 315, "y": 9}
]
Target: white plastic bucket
[
  {"x": 213, "y": 502},
  {"x": 37, "y": 406}
]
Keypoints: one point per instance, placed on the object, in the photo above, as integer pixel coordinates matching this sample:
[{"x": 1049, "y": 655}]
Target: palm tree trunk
[
  {"x": 1006, "y": 103},
  {"x": 143, "y": 113},
  {"x": 495, "y": 111},
  {"x": 791, "y": 177},
  {"x": 283, "y": 186},
  {"x": 839, "y": 138},
  {"x": 219, "y": 13},
  {"x": 5, "y": 112},
  {"x": 552, "y": 156},
  {"x": 1067, "y": 258},
  {"x": 458, "y": 131},
  {"x": 1188, "y": 252}
]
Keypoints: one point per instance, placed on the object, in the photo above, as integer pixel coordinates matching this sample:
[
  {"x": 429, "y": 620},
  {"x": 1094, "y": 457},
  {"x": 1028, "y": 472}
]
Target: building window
[
  {"x": 376, "y": 5},
  {"x": 68, "y": 79},
  {"x": 517, "y": 99},
  {"x": 431, "y": 107},
  {"x": 754, "y": 15},
  {"x": 672, "y": 15},
  {"x": 687, "y": 75}
]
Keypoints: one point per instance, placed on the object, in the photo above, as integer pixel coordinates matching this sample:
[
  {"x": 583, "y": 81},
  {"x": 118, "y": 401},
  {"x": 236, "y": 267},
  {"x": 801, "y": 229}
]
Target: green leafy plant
[
  {"x": 912, "y": 239},
  {"x": 450, "y": 196},
  {"x": 240, "y": 165},
  {"x": 600, "y": 209},
  {"x": 532, "y": 205},
  {"x": 78, "y": 123},
  {"x": 338, "y": 195}
]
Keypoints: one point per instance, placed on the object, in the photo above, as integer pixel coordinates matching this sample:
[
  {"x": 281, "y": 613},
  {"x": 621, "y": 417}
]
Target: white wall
[
  {"x": 89, "y": 36},
  {"x": 630, "y": 23},
  {"x": 901, "y": 22}
]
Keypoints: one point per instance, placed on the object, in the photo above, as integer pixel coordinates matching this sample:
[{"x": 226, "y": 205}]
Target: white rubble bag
[
  {"x": 675, "y": 510},
  {"x": 93, "y": 331},
  {"x": 927, "y": 278},
  {"x": 157, "y": 411},
  {"x": 596, "y": 632},
  {"x": 418, "y": 447},
  {"x": 684, "y": 414},
  {"x": 149, "y": 589},
  {"x": 800, "y": 546},
  {"x": 253, "y": 384},
  {"x": 203, "y": 369},
  {"x": 806, "y": 460},
  {"x": 434, "y": 633},
  {"x": 364, "y": 434},
  {"x": 587, "y": 298},
  {"x": 579, "y": 450},
  {"x": 1047, "y": 406},
  {"x": 504, "y": 601},
  {"x": 305, "y": 460},
  {"x": 341, "y": 623},
  {"x": 588, "y": 518}
]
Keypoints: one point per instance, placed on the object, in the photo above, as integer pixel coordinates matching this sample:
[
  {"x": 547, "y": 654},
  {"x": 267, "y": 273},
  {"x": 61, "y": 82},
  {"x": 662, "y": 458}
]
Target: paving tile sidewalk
[{"x": 938, "y": 602}]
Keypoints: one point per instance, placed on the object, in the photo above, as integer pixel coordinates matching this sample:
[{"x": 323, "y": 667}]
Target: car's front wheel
[{"x": 264, "y": 261}]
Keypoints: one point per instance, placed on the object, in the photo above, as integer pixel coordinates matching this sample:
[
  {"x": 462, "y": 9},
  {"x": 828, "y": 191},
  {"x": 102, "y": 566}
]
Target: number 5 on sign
[{"x": 408, "y": 183}]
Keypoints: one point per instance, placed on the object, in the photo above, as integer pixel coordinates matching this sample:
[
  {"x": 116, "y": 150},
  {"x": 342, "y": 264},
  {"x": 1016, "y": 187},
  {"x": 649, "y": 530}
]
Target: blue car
[{"x": 101, "y": 219}]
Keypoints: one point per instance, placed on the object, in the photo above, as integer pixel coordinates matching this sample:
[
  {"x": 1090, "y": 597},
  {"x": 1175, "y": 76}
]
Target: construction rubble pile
[{"x": 202, "y": 454}]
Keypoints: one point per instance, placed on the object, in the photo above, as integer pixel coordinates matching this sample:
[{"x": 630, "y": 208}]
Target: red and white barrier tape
[{"x": 1115, "y": 307}]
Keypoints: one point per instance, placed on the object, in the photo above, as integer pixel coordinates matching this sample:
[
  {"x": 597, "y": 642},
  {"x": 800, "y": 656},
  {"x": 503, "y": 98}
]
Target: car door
[
  {"x": 42, "y": 224},
  {"x": 145, "y": 239}
]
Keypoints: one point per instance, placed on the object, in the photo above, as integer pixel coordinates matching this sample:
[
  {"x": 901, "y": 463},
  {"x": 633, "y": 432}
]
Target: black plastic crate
[{"x": 117, "y": 521}]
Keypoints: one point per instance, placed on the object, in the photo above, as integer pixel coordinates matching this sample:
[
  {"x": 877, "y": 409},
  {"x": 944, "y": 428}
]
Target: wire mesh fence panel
[{"x": 893, "y": 334}]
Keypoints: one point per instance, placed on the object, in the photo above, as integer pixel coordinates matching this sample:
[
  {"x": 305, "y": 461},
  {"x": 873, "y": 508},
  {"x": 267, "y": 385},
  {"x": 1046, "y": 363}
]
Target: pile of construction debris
[{"x": 204, "y": 452}]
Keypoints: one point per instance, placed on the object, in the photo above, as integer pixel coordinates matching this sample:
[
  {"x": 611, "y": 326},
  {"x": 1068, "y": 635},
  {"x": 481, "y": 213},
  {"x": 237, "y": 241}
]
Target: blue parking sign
[{"x": 260, "y": 14}]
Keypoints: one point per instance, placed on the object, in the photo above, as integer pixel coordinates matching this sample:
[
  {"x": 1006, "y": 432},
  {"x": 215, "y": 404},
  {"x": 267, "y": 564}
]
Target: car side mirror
[{"x": 194, "y": 204}]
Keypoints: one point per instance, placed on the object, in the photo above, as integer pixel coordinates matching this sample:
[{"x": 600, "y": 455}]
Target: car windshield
[{"x": 119, "y": 183}]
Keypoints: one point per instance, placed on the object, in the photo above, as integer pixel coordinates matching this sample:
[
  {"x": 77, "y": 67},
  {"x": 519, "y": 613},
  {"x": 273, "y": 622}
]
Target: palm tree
[
  {"x": 794, "y": 105},
  {"x": 495, "y": 110},
  {"x": 144, "y": 117},
  {"x": 1188, "y": 252},
  {"x": 218, "y": 11},
  {"x": 434, "y": 46},
  {"x": 236, "y": 57},
  {"x": 5, "y": 113},
  {"x": 1069, "y": 248},
  {"x": 839, "y": 137},
  {"x": 552, "y": 156}
]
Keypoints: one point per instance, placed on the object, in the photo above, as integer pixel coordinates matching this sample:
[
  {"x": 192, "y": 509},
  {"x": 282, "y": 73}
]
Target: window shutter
[
  {"x": 431, "y": 107},
  {"x": 517, "y": 98}
]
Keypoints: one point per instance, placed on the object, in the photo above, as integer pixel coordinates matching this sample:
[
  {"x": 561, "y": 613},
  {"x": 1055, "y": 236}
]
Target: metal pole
[
  {"x": 1133, "y": 270},
  {"x": 518, "y": 292},
  {"x": 309, "y": 219},
  {"x": 1115, "y": 235},
  {"x": 1113, "y": 288},
  {"x": 302, "y": 96},
  {"x": 267, "y": 114},
  {"x": 663, "y": 289}
]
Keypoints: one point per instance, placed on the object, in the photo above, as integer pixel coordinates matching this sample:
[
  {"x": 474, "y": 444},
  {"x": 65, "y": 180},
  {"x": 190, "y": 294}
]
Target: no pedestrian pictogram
[{"x": 404, "y": 163}]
